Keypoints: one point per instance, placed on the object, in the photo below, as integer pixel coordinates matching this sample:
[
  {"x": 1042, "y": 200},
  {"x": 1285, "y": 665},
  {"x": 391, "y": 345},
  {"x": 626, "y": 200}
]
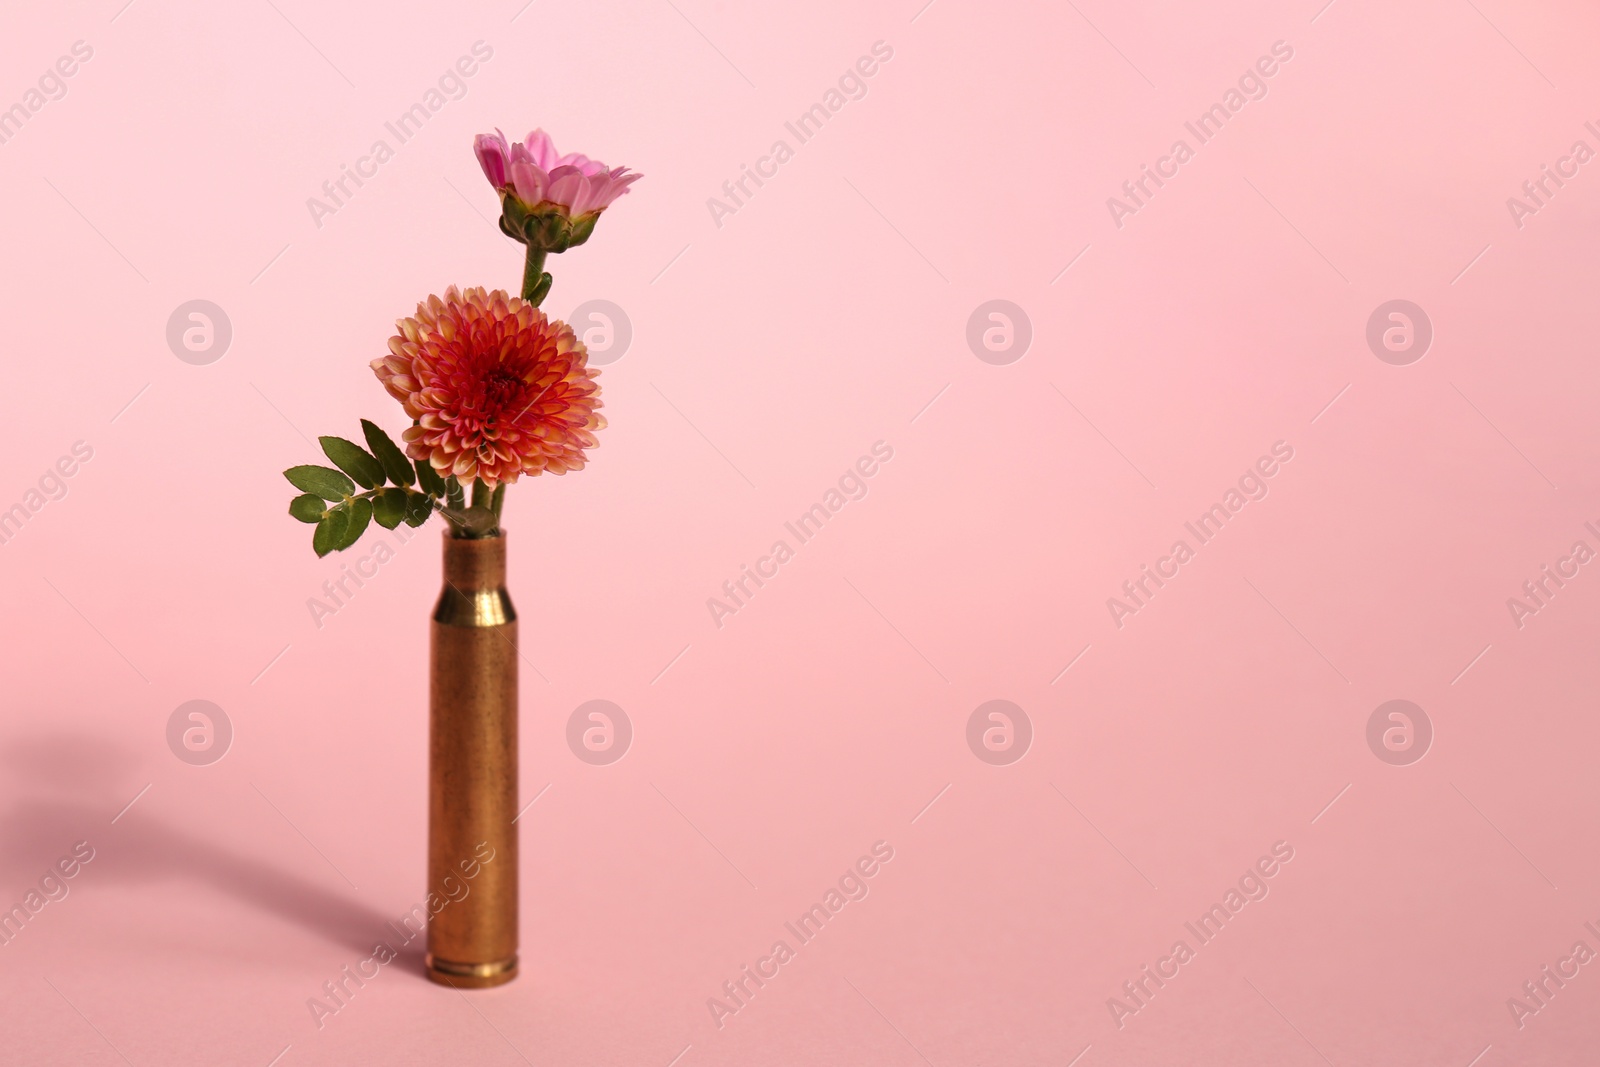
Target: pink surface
[{"x": 1175, "y": 341}]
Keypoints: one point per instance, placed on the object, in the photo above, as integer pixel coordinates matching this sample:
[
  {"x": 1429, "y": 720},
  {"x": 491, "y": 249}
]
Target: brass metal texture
[{"x": 472, "y": 770}]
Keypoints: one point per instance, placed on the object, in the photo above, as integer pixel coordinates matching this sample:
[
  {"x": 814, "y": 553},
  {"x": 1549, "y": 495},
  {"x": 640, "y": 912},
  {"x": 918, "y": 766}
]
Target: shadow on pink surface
[{"x": 42, "y": 823}]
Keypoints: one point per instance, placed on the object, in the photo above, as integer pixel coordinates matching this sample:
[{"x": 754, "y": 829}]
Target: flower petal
[
  {"x": 492, "y": 151},
  {"x": 542, "y": 149},
  {"x": 530, "y": 182}
]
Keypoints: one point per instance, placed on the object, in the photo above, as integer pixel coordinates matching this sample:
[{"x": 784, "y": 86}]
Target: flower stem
[
  {"x": 498, "y": 501},
  {"x": 535, "y": 282}
]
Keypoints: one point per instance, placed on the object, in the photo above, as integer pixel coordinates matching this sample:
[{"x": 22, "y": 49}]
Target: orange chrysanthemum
[{"x": 497, "y": 389}]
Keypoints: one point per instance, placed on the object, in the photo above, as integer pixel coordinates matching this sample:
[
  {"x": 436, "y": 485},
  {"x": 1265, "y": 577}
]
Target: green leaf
[
  {"x": 389, "y": 507},
  {"x": 330, "y": 530},
  {"x": 354, "y": 460},
  {"x": 395, "y": 463},
  {"x": 307, "y": 507},
  {"x": 325, "y": 482},
  {"x": 360, "y": 515},
  {"x": 418, "y": 507},
  {"x": 429, "y": 478}
]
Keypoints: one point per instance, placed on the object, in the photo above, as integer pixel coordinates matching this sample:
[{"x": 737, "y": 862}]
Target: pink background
[{"x": 768, "y": 354}]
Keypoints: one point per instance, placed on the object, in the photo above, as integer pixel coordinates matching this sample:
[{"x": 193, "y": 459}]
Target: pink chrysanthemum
[
  {"x": 536, "y": 174},
  {"x": 497, "y": 389}
]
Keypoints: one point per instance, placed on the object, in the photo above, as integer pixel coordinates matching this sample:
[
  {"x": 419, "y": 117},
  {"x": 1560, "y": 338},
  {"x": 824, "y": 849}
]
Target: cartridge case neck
[
  {"x": 475, "y": 563},
  {"x": 474, "y": 592}
]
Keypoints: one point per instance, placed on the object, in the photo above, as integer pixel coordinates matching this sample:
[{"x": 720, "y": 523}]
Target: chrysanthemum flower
[
  {"x": 536, "y": 174},
  {"x": 497, "y": 389},
  {"x": 549, "y": 202}
]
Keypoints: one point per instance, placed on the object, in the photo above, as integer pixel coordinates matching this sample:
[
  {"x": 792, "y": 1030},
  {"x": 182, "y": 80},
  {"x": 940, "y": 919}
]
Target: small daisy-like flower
[
  {"x": 532, "y": 171},
  {"x": 548, "y": 202},
  {"x": 497, "y": 389}
]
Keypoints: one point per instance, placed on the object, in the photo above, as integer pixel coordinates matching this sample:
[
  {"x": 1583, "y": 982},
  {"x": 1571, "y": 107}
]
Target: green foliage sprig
[{"x": 393, "y": 490}]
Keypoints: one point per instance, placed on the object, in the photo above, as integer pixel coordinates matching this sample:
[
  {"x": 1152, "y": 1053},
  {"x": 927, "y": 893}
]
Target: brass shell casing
[{"x": 472, "y": 769}]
